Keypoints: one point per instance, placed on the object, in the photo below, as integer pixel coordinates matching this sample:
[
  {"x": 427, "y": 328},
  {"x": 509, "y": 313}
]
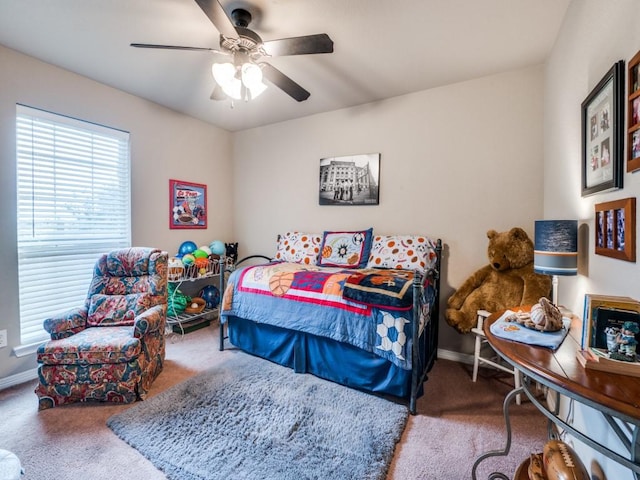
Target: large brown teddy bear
[{"x": 508, "y": 281}]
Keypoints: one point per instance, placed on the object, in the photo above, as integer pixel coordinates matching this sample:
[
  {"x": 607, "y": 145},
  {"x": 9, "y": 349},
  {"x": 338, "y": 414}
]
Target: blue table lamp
[{"x": 556, "y": 250}]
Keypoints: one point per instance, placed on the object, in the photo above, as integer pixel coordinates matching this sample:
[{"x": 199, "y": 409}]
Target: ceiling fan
[{"x": 240, "y": 77}]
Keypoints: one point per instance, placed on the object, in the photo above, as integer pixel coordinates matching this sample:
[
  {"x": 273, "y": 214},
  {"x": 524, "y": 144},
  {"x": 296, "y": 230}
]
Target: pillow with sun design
[{"x": 346, "y": 249}]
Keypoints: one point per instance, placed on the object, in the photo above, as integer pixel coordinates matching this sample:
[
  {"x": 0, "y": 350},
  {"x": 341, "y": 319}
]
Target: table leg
[{"x": 505, "y": 451}]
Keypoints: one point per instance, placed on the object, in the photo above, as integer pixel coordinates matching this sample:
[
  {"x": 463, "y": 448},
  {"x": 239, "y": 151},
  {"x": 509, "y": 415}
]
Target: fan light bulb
[
  {"x": 225, "y": 76},
  {"x": 250, "y": 77}
]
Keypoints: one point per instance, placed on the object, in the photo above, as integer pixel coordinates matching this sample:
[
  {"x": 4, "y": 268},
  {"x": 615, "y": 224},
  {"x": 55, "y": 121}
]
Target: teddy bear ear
[
  {"x": 518, "y": 233},
  {"x": 491, "y": 234}
]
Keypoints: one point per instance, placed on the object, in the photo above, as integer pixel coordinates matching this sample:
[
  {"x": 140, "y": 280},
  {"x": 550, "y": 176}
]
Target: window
[{"x": 73, "y": 204}]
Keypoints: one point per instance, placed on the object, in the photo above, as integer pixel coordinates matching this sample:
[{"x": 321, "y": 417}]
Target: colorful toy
[
  {"x": 217, "y": 247},
  {"x": 202, "y": 263},
  {"x": 204, "y": 248},
  {"x": 626, "y": 339},
  {"x": 187, "y": 247},
  {"x": 200, "y": 253},
  {"x": 211, "y": 295},
  {"x": 188, "y": 259},
  {"x": 175, "y": 269},
  {"x": 232, "y": 251}
]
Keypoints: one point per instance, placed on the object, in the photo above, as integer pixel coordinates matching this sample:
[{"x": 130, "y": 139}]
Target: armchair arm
[
  {"x": 66, "y": 323},
  {"x": 150, "y": 321}
]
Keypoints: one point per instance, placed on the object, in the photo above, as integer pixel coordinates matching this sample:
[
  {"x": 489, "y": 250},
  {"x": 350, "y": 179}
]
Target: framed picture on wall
[
  {"x": 350, "y": 180},
  {"x": 633, "y": 114},
  {"x": 616, "y": 229},
  {"x": 602, "y": 133},
  {"x": 187, "y": 205}
]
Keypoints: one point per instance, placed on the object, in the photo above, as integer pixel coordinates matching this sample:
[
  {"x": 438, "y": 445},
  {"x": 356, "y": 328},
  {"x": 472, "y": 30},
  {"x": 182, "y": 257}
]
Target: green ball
[{"x": 200, "y": 253}]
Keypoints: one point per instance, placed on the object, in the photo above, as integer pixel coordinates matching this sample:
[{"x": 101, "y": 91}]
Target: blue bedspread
[{"x": 310, "y": 299}]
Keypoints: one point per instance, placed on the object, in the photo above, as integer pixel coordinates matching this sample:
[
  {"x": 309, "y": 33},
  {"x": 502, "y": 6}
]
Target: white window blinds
[{"x": 73, "y": 204}]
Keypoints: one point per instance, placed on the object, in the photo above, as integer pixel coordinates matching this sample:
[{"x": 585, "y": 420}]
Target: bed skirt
[{"x": 322, "y": 357}]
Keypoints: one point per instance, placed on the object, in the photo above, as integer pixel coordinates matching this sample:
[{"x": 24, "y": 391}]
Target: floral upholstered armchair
[{"x": 112, "y": 348}]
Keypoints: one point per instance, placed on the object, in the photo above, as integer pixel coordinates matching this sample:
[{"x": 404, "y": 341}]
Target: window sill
[{"x": 29, "y": 349}]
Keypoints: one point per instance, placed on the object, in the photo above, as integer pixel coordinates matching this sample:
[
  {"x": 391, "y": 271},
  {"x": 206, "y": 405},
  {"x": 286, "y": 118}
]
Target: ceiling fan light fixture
[
  {"x": 232, "y": 80},
  {"x": 252, "y": 79},
  {"x": 225, "y": 75},
  {"x": 244, "y": 46}
]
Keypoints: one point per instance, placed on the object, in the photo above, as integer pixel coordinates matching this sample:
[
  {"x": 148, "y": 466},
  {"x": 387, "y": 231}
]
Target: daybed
[{"x": 349, "y": 307}]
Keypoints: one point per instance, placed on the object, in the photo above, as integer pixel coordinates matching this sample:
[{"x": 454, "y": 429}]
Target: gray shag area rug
[{"x": 251, "y": 419}]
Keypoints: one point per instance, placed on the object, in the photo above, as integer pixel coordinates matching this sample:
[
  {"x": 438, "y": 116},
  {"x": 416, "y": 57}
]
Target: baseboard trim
[
  {"x": 33, "y": 374},
  {"x": 18, "y": 378},
  {"x": 455, "y": 356}
]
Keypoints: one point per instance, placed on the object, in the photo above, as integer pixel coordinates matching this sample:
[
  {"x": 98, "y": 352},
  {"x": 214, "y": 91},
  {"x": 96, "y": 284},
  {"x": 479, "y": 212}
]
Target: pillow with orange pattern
[
  {"x": 406, "y": 252},
  {"x": 298, "y": 247}
]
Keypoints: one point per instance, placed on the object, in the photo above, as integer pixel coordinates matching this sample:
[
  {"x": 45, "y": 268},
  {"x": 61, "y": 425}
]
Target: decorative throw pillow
[
  {"x": 346, "y": 249},
  {"x": 299, "y": 247},
  {"x": 114, "y": 310},
  {"x": 406, "y": 252}
]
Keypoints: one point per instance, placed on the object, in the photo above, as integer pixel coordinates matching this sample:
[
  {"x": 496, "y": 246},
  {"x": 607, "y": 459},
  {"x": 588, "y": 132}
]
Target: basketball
[{"x": 280, "y": 283}]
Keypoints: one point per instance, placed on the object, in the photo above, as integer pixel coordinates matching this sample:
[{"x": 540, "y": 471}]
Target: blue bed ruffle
[{"x": 311, "y": 300}]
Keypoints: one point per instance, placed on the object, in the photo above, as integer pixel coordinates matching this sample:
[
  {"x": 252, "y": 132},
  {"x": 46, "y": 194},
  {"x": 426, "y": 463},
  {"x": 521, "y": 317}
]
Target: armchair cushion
[
  {"x": 92, "y": 346},
  {"x": 114, "y": 310}
]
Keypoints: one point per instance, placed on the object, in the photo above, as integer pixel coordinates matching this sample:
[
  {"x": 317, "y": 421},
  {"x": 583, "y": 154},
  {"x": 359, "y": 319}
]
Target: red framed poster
[{"x": 187, "y": 205}]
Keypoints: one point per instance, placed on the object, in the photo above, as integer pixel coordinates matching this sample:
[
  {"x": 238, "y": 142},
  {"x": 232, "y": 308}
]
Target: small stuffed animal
[
  {"x": 544, "y": 316},
  {"x": 507, "y": 281},
  {"x": 231, "y": 251}
]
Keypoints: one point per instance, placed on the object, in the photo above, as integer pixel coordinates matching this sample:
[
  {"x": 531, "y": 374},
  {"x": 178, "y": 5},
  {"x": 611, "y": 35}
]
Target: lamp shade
[{"x": 556, "y": 247}]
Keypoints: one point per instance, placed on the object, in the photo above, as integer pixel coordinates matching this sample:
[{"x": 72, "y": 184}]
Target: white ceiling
[{"x": 382, "y": 48}]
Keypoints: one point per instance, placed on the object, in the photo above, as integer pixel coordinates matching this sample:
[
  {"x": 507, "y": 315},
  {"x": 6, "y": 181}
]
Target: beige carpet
[{"x": 457, "y": 421}]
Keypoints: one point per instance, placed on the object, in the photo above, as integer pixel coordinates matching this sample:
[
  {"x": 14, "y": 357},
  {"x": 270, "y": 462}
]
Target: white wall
[
  {"x": 164, "y": 145},
  {"x": 594, "y": 36},
  {"x": 455, "y": 162}
]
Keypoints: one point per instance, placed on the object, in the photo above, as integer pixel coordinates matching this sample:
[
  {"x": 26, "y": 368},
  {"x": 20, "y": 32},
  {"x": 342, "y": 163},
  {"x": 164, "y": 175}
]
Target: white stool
[
  {"x": 10, "y": 467},
  {"x": 481, "y": 339}
]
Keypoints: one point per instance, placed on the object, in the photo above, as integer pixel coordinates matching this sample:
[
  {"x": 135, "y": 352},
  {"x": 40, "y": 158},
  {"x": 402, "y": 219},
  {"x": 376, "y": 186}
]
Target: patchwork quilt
[{"x": 369, "y": 309}]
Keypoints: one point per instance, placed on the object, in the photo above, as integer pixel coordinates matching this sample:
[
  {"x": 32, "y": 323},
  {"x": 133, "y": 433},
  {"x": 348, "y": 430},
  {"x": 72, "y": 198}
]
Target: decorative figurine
[
  {"x": 612, "y": 335},
  {"x": 626, "y": 339}
]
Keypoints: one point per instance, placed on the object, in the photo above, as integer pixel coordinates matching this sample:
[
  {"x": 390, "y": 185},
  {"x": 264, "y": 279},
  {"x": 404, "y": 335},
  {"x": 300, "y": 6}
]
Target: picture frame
[
  {"x": 615, "y": 229},
  {"x": 187, "y": 205},
  {"x": 633, "y": 114},
  {"x": 350, "y": 180},
  {"x": 602, "y": 133}
]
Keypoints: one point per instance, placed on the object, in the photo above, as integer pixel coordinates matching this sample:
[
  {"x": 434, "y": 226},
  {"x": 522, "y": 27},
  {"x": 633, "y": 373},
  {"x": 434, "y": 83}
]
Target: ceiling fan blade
[
  {"x": 218, "y": 17},
  {"x": 284, "y": 83},
  {"x": 320, "y": 43},
  {"x": 175, "y": 47}
]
